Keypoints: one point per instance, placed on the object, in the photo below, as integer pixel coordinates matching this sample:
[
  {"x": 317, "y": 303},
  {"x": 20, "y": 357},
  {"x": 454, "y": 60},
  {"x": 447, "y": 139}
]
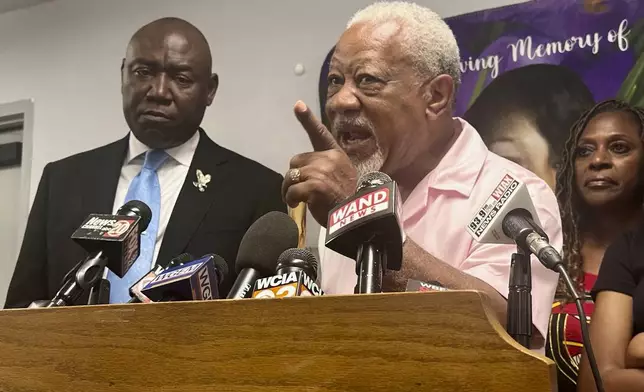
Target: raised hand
[{"x": 321, "y": 178}]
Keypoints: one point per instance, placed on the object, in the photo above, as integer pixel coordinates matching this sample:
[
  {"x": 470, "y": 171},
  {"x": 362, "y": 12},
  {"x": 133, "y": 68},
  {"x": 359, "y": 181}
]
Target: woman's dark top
[{"x": 622, "y": 270}]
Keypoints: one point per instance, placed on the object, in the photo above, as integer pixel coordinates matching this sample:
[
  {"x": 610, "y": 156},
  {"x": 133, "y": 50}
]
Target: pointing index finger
[{"x": 321, "y": 138}]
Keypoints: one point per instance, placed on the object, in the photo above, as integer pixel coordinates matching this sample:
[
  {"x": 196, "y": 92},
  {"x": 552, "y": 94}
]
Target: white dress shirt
[{"x": 172, "y": 175}]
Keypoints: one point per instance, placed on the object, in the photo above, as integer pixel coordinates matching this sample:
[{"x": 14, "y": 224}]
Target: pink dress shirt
[{"x": 437, "y": 211}]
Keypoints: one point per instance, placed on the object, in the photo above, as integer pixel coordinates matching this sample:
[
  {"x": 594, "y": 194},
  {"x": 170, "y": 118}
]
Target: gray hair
[{"x": 428, "y": 40}]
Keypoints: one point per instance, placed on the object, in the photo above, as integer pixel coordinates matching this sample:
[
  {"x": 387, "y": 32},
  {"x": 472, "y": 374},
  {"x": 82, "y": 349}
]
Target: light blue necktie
[{"x": 145, "y": 187}]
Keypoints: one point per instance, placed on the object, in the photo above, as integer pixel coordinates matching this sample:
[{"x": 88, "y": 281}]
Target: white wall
[
  {"x": 66, "y": 56},
  {"x": 9, "y": 198}
]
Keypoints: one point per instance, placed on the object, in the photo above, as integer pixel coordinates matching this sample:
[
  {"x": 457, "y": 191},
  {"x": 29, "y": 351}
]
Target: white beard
[
  {"x": 363, "y": 165},
  {"x": 371, "y": 164}
]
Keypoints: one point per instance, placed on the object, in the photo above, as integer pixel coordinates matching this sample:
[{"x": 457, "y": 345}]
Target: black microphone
[
  {"x": 295, "y": 276},
  {"x": 366, "y": 227},
  {"x": 110, "y": 240},
  {"x": 136, "y": 289},
  {"x": 67, "y": 279},
  {"x": 519, "y": 226},
  {"x": 118, "y": 236},
  {"x": 196, "y": 280},
  {"x": 297, "y": 260},
  {"x": 84, "y": 278},
  {"x": 259, "y": 249}
]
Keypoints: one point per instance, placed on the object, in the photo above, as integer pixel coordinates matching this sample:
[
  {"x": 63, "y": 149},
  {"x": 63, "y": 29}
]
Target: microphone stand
[
  {"x": 83, "y": 278},
  {"x": 370, "y": 268},
  {"x": 99, "y": 293},
  {"x": 519, "y": 313}
]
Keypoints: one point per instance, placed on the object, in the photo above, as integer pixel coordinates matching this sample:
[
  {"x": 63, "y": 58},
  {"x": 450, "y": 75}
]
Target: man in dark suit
[{"x": 204, "y": 197}]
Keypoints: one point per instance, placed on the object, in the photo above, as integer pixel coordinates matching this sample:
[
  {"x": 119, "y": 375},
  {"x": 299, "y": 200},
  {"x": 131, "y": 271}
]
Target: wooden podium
[{"x": 438, "y": 341}]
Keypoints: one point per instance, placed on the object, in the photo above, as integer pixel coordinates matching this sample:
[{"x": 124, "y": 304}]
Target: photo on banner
[{"x": 531, "y": 69}]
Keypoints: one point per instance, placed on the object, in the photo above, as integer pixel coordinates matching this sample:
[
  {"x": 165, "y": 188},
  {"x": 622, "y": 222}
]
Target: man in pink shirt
[{"x": 391, "y": 85}]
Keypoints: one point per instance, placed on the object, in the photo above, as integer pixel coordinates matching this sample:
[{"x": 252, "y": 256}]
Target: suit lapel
[
  {"x": 192, "y": 204},
  {"x": 104, "y": 174}
]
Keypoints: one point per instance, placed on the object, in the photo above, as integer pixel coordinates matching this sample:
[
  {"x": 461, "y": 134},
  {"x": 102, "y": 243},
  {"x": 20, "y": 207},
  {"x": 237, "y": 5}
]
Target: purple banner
[
  {"x": 601, "y": 41},
  {"x": 530, "y": 70}
]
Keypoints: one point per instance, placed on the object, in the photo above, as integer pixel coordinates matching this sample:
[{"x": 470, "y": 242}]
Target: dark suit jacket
[{"x": 214, "y": 221}]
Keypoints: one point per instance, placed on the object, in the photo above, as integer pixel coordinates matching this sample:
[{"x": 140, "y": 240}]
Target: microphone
[
  {"x": 196, "y": 280},
  {"x": 118, "y": 236},
  {"x": 366, "y": 227},
  {"x": 416, "y": 285},
  {"x": 259, "y": 250},
  {"x": 136, "y": 289},
  {"x": 506, "y": 217},
  {"x": 519, "y": 226},
  {"x": 296, "y": 272},
  {"x": 509, "y": 216},
  {"x": 67, "y": 280},
  {"x": 511, "y": 197},
  {"x": 110, "y": 240},
  {"x": 84, "y": 278}
]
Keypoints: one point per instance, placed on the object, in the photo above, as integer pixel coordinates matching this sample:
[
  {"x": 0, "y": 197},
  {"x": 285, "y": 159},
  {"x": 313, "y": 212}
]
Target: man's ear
[
  {"x": 438, "y": 94},
  {"x": 122, "y": 78},
  {"x": 212, "y": 88}
]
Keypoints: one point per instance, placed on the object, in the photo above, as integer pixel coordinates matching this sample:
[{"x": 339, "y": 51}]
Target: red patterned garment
[{"x": 564, "y": 343}]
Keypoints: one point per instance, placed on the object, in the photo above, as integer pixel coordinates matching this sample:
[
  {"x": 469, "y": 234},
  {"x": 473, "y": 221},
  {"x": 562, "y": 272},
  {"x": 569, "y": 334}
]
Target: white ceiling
[{"x": 12, "y": 5}]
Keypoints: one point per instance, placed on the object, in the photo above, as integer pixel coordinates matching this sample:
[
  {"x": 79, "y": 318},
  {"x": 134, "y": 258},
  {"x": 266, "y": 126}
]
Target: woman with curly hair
[{"x": 600, "y": 191}]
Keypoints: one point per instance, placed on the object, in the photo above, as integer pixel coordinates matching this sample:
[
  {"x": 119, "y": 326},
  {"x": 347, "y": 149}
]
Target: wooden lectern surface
[{"x": 440, "y": 341}]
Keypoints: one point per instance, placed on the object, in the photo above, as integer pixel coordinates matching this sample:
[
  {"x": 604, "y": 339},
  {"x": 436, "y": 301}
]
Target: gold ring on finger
[{"x": 294, "y": 175}]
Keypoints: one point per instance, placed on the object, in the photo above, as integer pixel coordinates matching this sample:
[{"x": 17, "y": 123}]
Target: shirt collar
[
  {"x": 457, "y": 171},
  {"x": 182, "y": 154},
  {"x": 461, "y": 165}
]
